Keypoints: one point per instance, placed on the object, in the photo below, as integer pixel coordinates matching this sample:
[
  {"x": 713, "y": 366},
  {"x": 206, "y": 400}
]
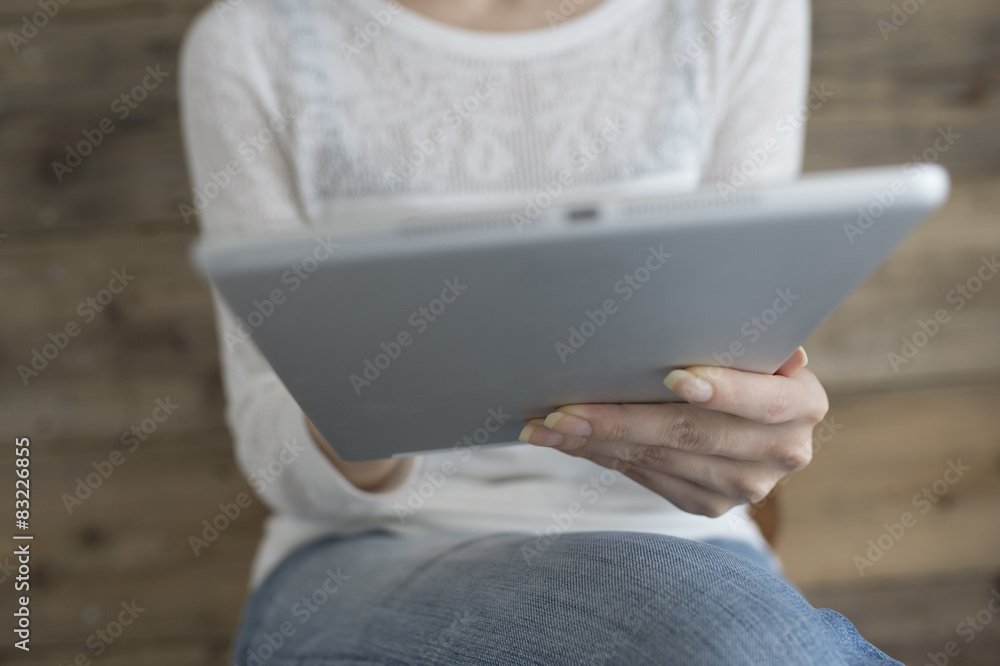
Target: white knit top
[{"x": 296, "y": 111}]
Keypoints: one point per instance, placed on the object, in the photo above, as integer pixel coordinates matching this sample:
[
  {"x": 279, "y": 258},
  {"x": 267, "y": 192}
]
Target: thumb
[{"x": 797, "y": 360}]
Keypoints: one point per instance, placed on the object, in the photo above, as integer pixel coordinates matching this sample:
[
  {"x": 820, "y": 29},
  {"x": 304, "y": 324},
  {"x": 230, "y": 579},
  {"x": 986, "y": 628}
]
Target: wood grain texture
[
  {"x": 887, "y": 449},
  {"x": 119, "y": 209},
  {"x": 129, "y": 540},
  {"x": 909, "y": 618},
  {"x": 941, "y": 69},
  {"x": 157, "y": 337}
]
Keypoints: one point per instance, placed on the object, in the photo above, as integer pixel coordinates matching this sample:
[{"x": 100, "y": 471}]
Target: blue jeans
[{"x": 578, "y": 598}]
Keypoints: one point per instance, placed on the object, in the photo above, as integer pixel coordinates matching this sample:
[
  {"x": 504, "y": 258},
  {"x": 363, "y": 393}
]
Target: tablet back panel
[{"x": 453, "y": 332}]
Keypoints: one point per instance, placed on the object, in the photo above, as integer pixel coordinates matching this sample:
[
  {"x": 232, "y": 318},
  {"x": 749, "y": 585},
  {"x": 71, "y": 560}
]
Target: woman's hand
[{"x": 740, "y": 435}]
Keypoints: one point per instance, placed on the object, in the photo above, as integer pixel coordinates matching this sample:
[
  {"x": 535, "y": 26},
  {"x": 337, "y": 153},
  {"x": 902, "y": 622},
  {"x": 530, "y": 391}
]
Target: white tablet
[{"x": 452, "y": 330}]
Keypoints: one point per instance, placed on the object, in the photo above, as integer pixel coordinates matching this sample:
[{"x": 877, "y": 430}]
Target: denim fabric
[
  {"x": 577, "y": 598},
  {"x": 764, "y": 560}
]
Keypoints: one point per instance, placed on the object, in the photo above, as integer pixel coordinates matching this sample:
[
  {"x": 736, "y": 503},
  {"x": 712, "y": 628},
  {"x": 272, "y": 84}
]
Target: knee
[
  {"x": 662, "y": 595},
  {"x": 642, "y": 563}
]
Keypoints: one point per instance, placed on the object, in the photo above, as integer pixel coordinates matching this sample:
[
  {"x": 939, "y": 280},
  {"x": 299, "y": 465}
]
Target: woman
[{"x": 620, "y": 535}]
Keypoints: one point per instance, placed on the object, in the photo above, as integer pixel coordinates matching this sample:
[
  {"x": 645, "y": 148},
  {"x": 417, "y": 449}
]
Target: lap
[{"x": 586, "y": 598}]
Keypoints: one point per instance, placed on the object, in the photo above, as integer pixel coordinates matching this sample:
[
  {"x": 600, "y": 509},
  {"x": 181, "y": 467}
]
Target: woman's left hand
[{"x": 741, "y": 433}]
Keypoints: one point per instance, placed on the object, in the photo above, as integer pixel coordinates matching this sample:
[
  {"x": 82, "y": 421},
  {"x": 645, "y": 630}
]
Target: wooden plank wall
[{"x": 896, "y": 431}]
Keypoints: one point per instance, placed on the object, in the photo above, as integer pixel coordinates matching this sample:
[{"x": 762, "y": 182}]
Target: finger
[
  {"x": 766, "y": 399},
  {"x": 684, "y": 494},
  {"x": 619, "y": 429},
  {"x": 742, "y": 481},
  {"x": 535, "y": 432},
  {"x": 795, "y": 362},
  {"x": 662, "y": 424}
]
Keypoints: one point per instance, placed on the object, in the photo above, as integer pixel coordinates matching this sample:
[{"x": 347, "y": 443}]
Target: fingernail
[
  {"x": 689, "y": 386},
  {"x": 805, "y": 357},
  {"x": 539, "y": 436},
  {"x": 568, "y": 424}
]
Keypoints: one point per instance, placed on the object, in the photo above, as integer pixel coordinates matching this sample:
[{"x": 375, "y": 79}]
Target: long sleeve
[
  {"x": 418, "y": 101},
  {"x": 760, "y": 102},
  {"x": 237, "y": 132}
]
